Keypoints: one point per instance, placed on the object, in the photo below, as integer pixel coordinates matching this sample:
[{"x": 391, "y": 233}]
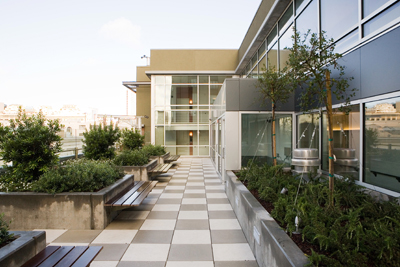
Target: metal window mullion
[{"x": 362, "y": 126}]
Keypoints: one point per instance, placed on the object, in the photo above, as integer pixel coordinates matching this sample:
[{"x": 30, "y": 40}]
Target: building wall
[{"x": 143, "y": 101}]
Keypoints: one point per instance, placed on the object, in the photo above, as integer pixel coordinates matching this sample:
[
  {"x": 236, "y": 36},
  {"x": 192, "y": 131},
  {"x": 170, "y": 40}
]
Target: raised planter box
[
  {"x": 22, "y": 249},
  {"x": 269, "y": 243},
  {"x": 79, "y": 211},
  {"x": 160, "y": 159},
  {"x": 141, "y": 173}
]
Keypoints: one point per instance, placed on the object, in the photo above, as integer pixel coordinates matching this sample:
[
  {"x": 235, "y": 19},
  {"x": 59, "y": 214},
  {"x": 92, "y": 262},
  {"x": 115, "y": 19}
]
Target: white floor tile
[
  {"x": 166, "y": 207},
  {"x": 51, "y": 234},
  {"x": 193, "y": 215},
  {"x": 104, "y": 264},
  {"x": 191, "y": 237},
  {"x": 171, "y": 195},
  {"x": 194, "y": 201},
  {"x": 158, "y": 225},
  {"x": 115, "y": 236},
  {"x": 190, "y": 263},
  {"x": 216, "y": 195},
  {"x": 213, "y": 207},
  {"x": 195, "y": 191},
  {"x": 175, "y": 187},
  {"x": 232, "y": 252},
  {"x": 224, "y": 224},
  {"x": 146, "y": 252}
]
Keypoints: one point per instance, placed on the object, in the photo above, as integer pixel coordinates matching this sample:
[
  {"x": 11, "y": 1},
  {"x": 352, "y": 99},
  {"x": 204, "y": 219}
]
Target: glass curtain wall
[
  {"x": 256, "y": 138},
  {"x": 182, "y": 107}
]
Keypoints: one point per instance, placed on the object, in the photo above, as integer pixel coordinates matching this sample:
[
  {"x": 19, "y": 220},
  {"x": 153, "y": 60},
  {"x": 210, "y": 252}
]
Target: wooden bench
[
  {"x": 160, "y": 168},
  {"x": 79, "y": 256},
  {"x": 172, "y": 158},
  {"x": 133, "y": 195}
]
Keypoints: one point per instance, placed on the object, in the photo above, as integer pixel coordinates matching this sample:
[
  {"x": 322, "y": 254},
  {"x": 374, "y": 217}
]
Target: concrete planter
[
  {"x": 269, "y": 243},
  {"x": 141, "y": 173},
  {"x": 79, "y": 211},
  {"x": 22, "y": 249},
  {"x": 160, "y": 159}
]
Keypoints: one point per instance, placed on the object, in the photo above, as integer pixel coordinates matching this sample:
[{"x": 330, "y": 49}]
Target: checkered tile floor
[{"x": 185, "y": 221}]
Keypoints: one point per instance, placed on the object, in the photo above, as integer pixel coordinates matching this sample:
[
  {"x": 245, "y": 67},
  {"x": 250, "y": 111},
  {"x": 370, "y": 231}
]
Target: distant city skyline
[{"x": 79, "y": 52}]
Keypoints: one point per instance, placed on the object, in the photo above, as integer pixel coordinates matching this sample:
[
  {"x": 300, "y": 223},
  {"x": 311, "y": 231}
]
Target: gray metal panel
[
  {"x": 380, "y": 65},
  {"x": 232, "y": 94},
  {"x": 250, "y": 98}
]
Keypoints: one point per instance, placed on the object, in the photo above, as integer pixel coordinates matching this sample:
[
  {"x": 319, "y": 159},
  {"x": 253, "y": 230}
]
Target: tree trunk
[
  {"x": 273, "y": 134},
  {"x": 330, "y": 135}
]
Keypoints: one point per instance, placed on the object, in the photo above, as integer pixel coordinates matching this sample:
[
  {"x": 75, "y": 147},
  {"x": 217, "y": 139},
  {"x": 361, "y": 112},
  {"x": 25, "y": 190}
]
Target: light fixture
[
  {"x": 190, "y": 101},
  {"x": 190, "y": 133}
]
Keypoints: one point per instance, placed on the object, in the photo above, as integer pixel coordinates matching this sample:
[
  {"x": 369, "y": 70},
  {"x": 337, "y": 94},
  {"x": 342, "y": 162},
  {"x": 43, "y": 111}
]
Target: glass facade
[{"x": 181, "y": 111}]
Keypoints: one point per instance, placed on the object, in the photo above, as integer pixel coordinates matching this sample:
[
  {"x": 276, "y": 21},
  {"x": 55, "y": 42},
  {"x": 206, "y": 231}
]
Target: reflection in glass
[
  {"x": 184, "y": 79},
  {"x": 183, "y": 94},
  {"x": 203, "y": 95},
  {"x": 370, "y": 6},
  {"x": 204, "y": 116},
  {"x": 346, "y": 42},
  {"x": 214, "y": 90},
  {"x": 382, "y": 143},
  {"x": 382, "y": 19},
  {"x": 203, "y": 137},
  {"x": 271, "y": 37},
  {"x": 181, "y": 117},
  {"x": 346, "y": 141},
  {"x": 285, "y": 42},
  {"x": 159, "y": 135},
  {"x": 159, "y": 117},
  {"x": 300, "y": 5},
  {"x": 203, "y": 79},
  {"x": 273, "y": 57},
  {"x": 308, "y": 19},
  {"x": 261, "y": 50},
  {"x": 218, "y": 79},
  {"x": 308, "y": 131},
  {"x": 256, "y": 138},
  {"x": 180, "y": 135},
  {"x": 343, "y": 12},
  {"x": 286, "y": 19}
]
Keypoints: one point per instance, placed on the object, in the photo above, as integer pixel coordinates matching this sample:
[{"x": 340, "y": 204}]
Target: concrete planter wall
[
  {"x": 79, "y": 211},
  {"x": 160, "y": 159},
  {"x": 22, "y": 249},
  {"x": 141, "y": 173},
  {"x": 269, "y": 243}
]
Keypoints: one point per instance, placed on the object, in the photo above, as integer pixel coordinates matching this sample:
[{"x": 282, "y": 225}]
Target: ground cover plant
[
  {"x": 5, "y": 236},
  {"x": 132, "y": 158},
  {"x": 99, "y": 141},
  {"x": 356, "y": 231},
  {"x": 83, "y": 175},
  {"x": 31, "y": 143}
]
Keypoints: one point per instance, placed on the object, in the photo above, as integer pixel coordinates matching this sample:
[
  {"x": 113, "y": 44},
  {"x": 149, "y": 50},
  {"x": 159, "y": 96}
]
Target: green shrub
[
  {"x": 153, "y": 150},
  {"x": 131, "y": 158},
  {"x": 131, "y": 139},
  {"x": 81, "y": 175},
  {"x": 4, "y": 234},
  {"x": 99, "y": 142},
  {"x": 356, "y": 231},
  {"x": 31, "y": 144}
]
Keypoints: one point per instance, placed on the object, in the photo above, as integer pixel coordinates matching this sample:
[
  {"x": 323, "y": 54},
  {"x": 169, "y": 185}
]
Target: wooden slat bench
[
  {"x": 60, "y": 256},
  {"x": 133, "y": 195},
  {"x": 172, "y": 158},
  {"x": 160, "y": 168}
]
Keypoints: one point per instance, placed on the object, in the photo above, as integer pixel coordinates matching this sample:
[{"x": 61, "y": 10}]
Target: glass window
[
  {"x": 286, "y": 19},
  {"x": 346, "y": 142},
  {"x": 203, "y": 79},
  {"x": 261, "y": 50},
  {"x": 160, "y": 95},
  {"x": 180, "y": 135},
  {"x": 203, "y": 95},
  {"x": 382, "y": 19},
  {"x": 181, "y": 117},
  {"x": 214, "y": 90},
  {"x": 159, "y": 135},
  {"x": 256, "y": 138},
  {"x": 254, "y": 60},
  {"x": 285, "y": 42},
  {"x": 382, "y": 143},
  {"x": 308, "y": 131},
  {"x": 370, "y": 6},
  {"x": 272, "y": 37},
  {"x": 273, "y": 57},
  {"x": 203, "y": 137},
  {"x": 308, "y": 19},
  {"x": 344, "y": 14},
  {"x": 262, "y": 65},
  {"x": 204, "y": 116},
  {"x": 159, "y": 117},
  {"x": 184, "y": 79},
  {"x": 347, "y": 42},
  {"x": 300, "y": 5},
  {"x": 218, "y": 79},
  {"x": 183, "y": 94}
]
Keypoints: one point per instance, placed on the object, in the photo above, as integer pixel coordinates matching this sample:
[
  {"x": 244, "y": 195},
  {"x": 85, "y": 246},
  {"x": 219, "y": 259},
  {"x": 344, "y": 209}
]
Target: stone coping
[
  {"x": 26, "y": 246},
  {"x": 269, "y": 243}
]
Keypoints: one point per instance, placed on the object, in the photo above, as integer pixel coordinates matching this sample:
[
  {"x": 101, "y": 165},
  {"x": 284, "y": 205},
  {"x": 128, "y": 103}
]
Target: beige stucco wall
[
  {"x": 143, "y": 101},
  {"x": 194, "y": 60}
]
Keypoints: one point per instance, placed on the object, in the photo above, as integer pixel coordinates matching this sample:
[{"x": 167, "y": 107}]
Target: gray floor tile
[
  {"x": 196, "y": 195},
  {"x": 192, "y": 225},
  {"x": 163, "y": 215},
  {"x": 227, "y": 236},
  {"x": 111, "y": 252},
  {"x": 125, "y": 225},
  {"x": 214, "y": 191},
  {"x": 236, "y": 264},
  {"x": 190, "y": 253},
  {"x": 195, "y": 187},
  {"x": 77, "y": 236},
  {"x": 218, "y": 201},
  {"x": 221, "y": 214},
  {"x": 153, "y": 236},
  {"x": 169, "y": 201},
  {"x": 193, "y": 207}
]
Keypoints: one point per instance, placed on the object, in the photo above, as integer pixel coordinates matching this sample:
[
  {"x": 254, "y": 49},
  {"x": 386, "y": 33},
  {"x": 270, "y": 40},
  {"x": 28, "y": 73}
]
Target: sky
[{"x": 55, "y": 52}]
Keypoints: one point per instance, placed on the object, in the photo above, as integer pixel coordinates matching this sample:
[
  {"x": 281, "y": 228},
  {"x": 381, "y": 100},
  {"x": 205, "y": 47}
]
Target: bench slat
[
  {"x": 118, "y": 196},
  {"x": 87, "y": 257},
  {"x": 41, "y": 256},
  {"x": 72, "y": 256},
  {"x": 121, "y": 199},
  {"x": 135, "y": 195},
  {"x": 56, "y": 256},
  {"x": 144, "y": 194}
]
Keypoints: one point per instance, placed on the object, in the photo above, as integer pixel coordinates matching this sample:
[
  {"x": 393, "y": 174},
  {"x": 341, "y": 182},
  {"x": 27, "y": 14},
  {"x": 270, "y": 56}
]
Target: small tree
[
  {"x": 312, "y": 60},
  {"x": 276, "y": 86},
  {"x": 99, "y": 142},
  {"x": 131, "y": 139},
  {"x": 31, "y": 144}
]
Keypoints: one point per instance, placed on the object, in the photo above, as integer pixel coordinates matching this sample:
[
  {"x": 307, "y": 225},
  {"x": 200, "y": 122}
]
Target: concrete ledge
[
  {"x": 270, "y": 244},
  {"x": 141, "y": 173},
  {"x": 22, "y": 249},
  {"x": 79, "y": 211},
  {"x": 160, "y": 159}
]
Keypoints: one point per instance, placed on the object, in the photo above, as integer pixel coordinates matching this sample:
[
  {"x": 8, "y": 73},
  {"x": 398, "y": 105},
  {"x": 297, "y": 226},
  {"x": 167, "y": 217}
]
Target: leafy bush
[
  {"x": 131, "y": 139},
  {"x": 356, "y": 231},
  {"x": 99, "y": 142},
  {"x": 153, "y": 150},
  {"x": 131, "y": 158},
  {"x": 81, "y": 175},
  {"x": 31, "y": 144},
  {"x": 4, "y": 234}
]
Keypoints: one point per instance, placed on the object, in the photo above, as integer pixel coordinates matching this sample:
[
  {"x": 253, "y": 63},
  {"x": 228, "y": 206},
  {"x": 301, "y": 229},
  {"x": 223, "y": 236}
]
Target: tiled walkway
[{"x": 186, "y": 221}]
